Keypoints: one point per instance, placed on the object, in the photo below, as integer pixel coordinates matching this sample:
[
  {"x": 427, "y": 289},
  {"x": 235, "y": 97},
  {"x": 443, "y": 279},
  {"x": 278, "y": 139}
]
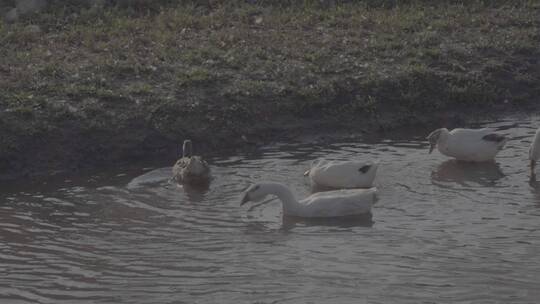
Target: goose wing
[
  {"x": 494, "y": 137},
  {"x": 344, "y": 174},
  {"x": 470, "y": 136},
  {"x": 339, "y": 202}
]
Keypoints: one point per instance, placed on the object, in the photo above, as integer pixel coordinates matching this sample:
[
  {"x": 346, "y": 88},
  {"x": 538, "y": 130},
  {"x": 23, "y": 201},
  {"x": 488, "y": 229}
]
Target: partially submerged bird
[
  {"x": 336, "y": 203},
  {"x": 342, "y": 174},
  {"x": 476, "y": 145},
  {"x": 534, "y": 153},
  {"x": 191, "y": 169}
]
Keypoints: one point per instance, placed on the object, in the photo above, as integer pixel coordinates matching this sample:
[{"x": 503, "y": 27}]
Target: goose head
[
  {"x": 255, "y": 193},
  {"x": 434, "y": 137},
  {"x": 187, "y": 148}
]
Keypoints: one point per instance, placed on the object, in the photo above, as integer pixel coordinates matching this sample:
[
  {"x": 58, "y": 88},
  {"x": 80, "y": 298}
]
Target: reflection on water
[
  {"x": 366, "y": 220},
  {"x": 195, "y": 193},
  {"x": 464, "y": 173},
  {"x": 441, "y": 232},
  {"x": 535, "y": 188}
]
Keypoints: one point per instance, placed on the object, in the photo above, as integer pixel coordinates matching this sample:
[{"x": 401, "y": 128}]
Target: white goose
[
  {"x": 475, "y": 145},
  {"x": 191, "y": 169},
  {"x": 323, "y": 204},
  {"x": 342, "y": 174},
  {"x": 534, "y": 152}
]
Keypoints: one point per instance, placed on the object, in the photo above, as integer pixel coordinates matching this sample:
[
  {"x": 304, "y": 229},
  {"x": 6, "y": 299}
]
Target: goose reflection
[
  {"x": 364, "y": 220},
  {"x": 483, "y": 173}
]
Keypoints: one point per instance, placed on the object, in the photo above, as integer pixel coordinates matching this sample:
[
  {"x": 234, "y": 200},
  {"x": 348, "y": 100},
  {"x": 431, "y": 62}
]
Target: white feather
[
  {"x": 342, "y": 174},
  {"x": 469, "y": 144},
  {"x": 336, "y": 203}
]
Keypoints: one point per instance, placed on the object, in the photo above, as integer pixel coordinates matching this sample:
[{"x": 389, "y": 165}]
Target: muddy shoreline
[{"x": 59, "y": 155}]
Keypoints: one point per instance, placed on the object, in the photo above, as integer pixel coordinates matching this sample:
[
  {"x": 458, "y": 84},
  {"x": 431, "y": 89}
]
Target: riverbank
[{"x": 83, "y": 88}]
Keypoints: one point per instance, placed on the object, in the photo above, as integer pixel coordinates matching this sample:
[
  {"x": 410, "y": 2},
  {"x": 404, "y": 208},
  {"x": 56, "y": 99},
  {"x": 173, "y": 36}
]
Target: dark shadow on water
[
  {"x": 484, "y": 173},
  {"x": 195, "y": 193},
  {"x": 533, "y": 182},
  {"x": 364, "y": 220},
  {"x": 535, "y": 188}
]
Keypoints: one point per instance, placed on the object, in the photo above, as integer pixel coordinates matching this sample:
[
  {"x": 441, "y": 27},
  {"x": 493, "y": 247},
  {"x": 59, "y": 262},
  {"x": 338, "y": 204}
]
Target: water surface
[{"x": 442, "y": 232}]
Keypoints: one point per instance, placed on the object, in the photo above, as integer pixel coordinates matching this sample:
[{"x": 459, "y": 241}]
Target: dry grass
[{"x": 236, "y": 65}]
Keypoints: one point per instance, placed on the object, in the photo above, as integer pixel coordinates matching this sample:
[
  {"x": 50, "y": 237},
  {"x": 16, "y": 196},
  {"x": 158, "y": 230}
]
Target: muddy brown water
[{"x": 442, "y": 232}]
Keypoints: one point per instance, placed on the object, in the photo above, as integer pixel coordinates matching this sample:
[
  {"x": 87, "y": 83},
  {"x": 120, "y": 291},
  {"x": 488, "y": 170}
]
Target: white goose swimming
[
  {"x": 342, "y": 174},
  {"x": 191, "y": 169},
  {"x": 534, "y": 152},
  {"x": 336, "y": 203},
  {"x": 475, "y": 145}
]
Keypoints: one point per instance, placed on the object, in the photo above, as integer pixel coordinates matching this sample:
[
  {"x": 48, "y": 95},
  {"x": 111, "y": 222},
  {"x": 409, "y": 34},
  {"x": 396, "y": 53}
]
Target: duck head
[
  {"x": 196, "y": 166},
  {"x": 433, "y": 138}
]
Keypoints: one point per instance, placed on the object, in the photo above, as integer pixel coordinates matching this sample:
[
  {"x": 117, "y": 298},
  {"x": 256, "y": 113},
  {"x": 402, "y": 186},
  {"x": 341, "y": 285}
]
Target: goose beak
[
  {"x": 245, "y": 199},
  {"x": 306, "y": 173}
]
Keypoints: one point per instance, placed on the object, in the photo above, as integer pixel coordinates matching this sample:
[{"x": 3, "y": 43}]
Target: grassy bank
[{"x": 91, "y": 86}]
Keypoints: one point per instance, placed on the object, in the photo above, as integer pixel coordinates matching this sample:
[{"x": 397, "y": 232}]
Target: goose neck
[
  {"x": 284, "y": 194},
  {"x": 444, "y": 134}
]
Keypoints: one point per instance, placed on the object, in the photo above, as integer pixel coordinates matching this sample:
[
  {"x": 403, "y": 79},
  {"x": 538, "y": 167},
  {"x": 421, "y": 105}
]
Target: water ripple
[{"x": 442, "y": 232}]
